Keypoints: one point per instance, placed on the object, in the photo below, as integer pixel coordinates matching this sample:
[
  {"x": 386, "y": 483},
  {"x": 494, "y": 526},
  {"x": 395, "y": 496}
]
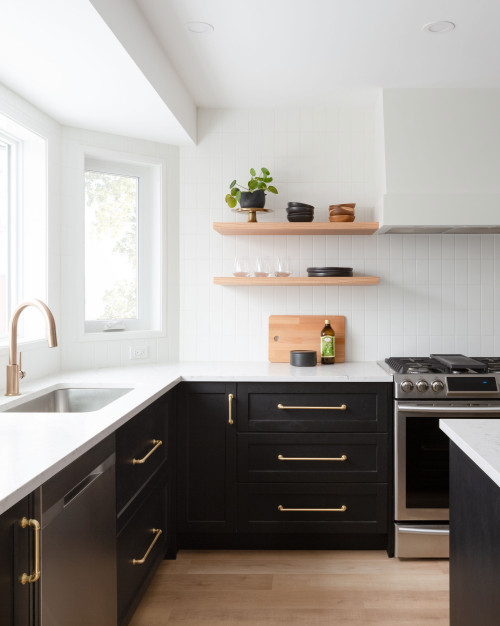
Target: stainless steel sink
[{"x": 70, "y": 400}]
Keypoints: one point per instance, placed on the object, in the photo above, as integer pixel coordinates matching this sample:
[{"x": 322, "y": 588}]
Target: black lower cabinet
[
  {"x": 18, "y": 602},
  {"x": 140, "y": 547},
  {"x": 474, "y": 544},
  {"x": 206, "y": 460}
]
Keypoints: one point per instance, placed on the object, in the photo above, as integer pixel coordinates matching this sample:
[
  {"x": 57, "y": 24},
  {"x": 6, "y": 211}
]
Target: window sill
[
  {"x": 23, "y": 345},
  {"x": 120, "y": 335}
]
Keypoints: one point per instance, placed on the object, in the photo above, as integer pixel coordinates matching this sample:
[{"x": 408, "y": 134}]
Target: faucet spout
[{"x": 14, "y": 371}]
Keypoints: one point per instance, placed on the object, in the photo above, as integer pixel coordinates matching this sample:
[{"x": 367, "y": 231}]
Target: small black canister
[{"x": 303, "y": 358}]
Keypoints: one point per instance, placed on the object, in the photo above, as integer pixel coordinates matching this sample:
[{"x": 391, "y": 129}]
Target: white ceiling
[
  {"x": 268, "y": 52},
  {"x": 131, "y": 67}
]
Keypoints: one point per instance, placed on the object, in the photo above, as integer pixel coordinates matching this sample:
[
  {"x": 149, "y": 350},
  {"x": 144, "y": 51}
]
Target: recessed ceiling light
[
  {"x": 441, "y": 27},
  {"x": 200, "y": 28}
]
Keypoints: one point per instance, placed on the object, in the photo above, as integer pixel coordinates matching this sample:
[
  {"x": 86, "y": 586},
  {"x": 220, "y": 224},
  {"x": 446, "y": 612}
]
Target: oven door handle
[
  {"x": 446, "y": 410},
  {"x": 423, "y": 530}
]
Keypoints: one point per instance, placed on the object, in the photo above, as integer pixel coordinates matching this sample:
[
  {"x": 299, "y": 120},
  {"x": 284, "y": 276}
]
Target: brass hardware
[
  {"x": 33, "y": 523},
  {"x": 230, "y": 399},
  {"x": 157, "y": 532},
  {"x": 314, "y": 458},
  {"x": 341, "y": 510},
  {"x": 14, "y": 371},
  {"x": 156, "y": 444},
  {"x": 342, "y": 407}
]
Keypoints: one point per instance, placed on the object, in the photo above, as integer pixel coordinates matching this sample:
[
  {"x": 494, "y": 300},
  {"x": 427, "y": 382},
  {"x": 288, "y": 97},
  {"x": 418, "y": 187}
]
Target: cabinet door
[
  {"x": 17, "y": 601},
  {"x": 206, "y": 456},
  {"x": 474, "y": 543}
]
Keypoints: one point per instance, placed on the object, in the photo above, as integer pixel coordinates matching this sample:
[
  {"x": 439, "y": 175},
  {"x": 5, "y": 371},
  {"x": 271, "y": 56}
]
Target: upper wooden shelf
[
  {"x": 297, "y": 281},
  {"x": 296, "y": 228}
]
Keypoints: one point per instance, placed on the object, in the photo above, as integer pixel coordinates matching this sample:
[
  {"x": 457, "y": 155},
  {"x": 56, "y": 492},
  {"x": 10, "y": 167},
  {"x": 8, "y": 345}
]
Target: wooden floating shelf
[
  {"x": 296, "y": 281},
  {"x": 296, "y": 228}
]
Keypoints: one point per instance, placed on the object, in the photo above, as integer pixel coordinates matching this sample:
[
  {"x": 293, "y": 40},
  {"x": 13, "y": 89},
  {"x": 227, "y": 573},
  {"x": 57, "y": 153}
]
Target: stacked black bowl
[{"x": 300, "y": 212}]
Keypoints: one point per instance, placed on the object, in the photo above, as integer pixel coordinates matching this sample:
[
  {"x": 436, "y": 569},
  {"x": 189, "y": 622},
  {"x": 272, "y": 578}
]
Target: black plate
[
  {"x": 300, "y": 204},
  {"x": 328, "y": 269},
  {"x": 300, "y": 218},
  {"x": 328, "y": 274},
  {"x": 298, "y": 209}
]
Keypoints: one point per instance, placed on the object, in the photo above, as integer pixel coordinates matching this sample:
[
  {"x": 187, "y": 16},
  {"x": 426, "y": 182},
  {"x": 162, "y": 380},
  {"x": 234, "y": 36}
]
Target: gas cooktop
[{"x": 444, "y": 364}]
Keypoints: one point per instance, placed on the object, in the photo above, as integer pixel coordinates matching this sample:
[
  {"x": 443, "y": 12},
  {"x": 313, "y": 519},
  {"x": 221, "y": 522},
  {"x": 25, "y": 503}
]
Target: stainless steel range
[{"x": 425, "y": 390}]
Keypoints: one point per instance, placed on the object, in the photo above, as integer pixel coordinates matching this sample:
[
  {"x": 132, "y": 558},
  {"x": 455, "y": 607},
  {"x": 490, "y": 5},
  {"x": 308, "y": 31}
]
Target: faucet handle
[{"x": 22, "y": 373}]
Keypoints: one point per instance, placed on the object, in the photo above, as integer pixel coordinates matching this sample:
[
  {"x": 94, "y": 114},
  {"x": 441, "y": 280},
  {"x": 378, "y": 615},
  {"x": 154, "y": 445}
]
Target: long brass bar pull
[
  {"x": 312, "y": 458},
  {"x": 157, "y": 532},
  {"x": 32, "y": 523},
  {"x": 156, "y": 444},
  {"x": 341, "y": 510},
  {"x": 230, "y": 399},
  {"x": 342, "y": 407}
]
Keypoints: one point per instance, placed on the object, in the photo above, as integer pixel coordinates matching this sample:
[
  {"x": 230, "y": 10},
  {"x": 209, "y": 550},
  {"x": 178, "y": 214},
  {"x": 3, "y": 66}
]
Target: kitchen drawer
[
  {"x": 135, "y": 441},
  {"x": 133, "y": 542},
  {"x": 313, "y": 407},
  {"x": 366, "y": 457},
  {"x": 366, "y": 508}
]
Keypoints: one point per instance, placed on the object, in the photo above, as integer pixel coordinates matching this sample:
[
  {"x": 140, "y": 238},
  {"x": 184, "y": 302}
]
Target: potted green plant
[{"x": 255, "y": 194}]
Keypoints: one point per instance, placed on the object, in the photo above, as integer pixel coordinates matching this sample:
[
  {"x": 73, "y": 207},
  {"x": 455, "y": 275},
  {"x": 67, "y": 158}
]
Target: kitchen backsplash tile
[{"x": 437, "y": 292}]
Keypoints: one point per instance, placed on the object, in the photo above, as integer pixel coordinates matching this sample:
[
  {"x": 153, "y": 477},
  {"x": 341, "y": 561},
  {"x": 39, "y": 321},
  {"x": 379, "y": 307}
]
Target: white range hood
[{"x": 440, "y": 161}]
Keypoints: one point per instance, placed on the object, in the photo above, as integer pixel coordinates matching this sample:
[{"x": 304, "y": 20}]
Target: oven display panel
[{"x": 472, "y": 383}]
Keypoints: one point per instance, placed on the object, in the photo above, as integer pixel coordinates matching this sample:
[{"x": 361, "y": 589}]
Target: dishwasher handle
[{"x": 80, "y": 487}]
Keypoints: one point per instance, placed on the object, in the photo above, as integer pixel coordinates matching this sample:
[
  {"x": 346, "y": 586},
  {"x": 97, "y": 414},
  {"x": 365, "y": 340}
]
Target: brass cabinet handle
[
  {"x": 312, "y": 458},
  {"x": 342, "y": 407},
  {"x": 157, "y": 443},
  {"x": 341, "y": 510},
  {"x": 32, "y": 523},
  {"x": 230, "y": 399},
  {"x": 157, "y": 532}
]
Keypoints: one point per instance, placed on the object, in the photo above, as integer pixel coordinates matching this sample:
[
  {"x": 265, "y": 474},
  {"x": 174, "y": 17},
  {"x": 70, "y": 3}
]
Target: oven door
[{"x": 422, "y": 455}]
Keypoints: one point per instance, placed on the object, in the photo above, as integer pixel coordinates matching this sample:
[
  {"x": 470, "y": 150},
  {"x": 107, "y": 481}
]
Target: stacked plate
[
  {"x": 329, "y": 271},
  {"x": 342, "y": 212},
  {"x": 300, "y": 212}
]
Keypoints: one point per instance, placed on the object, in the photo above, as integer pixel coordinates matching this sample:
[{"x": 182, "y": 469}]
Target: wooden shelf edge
[
  {"x": 296, "y": 228},
  {"x": 296, "y": 281}
]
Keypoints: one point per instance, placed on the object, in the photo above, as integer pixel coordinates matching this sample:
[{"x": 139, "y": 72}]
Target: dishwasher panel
[{"x": 78, "y": 583}]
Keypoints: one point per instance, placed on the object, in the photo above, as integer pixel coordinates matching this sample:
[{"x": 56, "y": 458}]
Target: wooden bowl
[
  {"x": 342, "y": 211},
  {"x": 347, "y": 204},
  {"x": 341, "y": 218}
]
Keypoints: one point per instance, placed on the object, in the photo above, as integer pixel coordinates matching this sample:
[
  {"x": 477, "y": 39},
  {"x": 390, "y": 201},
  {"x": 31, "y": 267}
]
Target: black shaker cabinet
[
  {"x": 18, "y": 602},
  {"x": 474, "y": 543}
]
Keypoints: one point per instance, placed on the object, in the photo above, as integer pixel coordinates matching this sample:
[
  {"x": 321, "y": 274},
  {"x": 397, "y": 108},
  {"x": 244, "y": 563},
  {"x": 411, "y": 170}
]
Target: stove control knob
[
  {"x": 437, "y": 386},
  {"x": 406, "y": 386},
  {"x": 422, "y": 385}
]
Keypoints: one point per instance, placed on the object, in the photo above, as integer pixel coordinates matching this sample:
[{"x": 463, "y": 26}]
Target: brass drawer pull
[
  {"x": 157, "y": 443},
  {"x": 230, "y": 399},
  {"x": 32, "y": 523},
  {"x": 342, "y": 407},
  {"x": 312, "y": 458},
  {"x": 157, "y": 532},
  {"x": 341, "y": 510}
]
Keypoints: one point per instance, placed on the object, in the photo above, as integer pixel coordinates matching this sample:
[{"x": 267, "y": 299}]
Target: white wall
[
  {"x": 437, "y": 293},
  {"x": 107, "y": 350},
  {"x": 38, "y": 359}
]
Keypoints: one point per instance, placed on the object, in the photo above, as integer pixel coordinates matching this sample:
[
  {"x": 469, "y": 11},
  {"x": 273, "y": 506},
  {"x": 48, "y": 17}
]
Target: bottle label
[{"x": 327, "y": 346}]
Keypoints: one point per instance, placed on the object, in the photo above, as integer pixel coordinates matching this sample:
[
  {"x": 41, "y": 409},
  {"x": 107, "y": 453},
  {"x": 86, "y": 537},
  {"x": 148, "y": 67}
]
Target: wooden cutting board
[{"x": 303, "y": 332}]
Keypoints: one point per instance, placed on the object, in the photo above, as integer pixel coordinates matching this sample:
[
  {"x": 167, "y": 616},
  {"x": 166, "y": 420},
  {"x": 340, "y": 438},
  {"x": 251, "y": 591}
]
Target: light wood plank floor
[{"x": 311, "y": 588}]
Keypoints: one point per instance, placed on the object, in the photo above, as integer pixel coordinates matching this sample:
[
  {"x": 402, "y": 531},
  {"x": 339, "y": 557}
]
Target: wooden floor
[{"x": 312, "y": 588}]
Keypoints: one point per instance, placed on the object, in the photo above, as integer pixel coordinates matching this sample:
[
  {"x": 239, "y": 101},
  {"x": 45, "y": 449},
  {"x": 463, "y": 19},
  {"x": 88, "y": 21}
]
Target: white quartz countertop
[
  {"x": 35, "y": 446},
  {"x": 479, "y": 439}
]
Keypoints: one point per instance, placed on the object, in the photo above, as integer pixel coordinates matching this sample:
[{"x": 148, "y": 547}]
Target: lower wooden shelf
[{"x": 296, "y": 281}]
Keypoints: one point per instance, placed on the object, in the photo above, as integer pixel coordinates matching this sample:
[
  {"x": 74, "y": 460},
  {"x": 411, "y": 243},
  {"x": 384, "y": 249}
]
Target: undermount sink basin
[{"x": 70, "y": 400}]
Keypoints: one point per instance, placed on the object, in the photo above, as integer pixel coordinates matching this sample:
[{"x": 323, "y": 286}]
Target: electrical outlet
[{"x": 139, "y": 352}]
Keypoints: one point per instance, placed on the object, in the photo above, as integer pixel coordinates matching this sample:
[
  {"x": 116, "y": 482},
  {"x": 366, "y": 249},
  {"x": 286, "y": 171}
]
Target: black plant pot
[{"x": 255, "y": 199}]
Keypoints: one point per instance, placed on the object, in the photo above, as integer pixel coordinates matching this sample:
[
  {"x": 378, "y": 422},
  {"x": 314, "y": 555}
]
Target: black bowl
[
  {"x": 328, "y": 269},
  {"x": 299, "y": 209},
  {"x": 308, "y": 206},
  {"x": 300, "y": 218},
  {"x": 301, "y": 214}
]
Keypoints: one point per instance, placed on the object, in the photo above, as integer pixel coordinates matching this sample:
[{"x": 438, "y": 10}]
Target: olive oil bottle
[{"x": 327, "y": 344}]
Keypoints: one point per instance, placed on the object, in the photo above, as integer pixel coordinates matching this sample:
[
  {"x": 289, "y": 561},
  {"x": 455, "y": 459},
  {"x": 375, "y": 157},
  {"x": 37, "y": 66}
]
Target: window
[
  {"x": 122, "y": 245},
  {"x": 23, "y": 225}
]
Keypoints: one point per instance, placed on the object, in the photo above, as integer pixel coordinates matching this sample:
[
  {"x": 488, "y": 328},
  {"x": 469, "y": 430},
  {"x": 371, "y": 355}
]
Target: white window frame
[
  {"x": 150, "y": 173},
  {"x": 27, "y": 224}
]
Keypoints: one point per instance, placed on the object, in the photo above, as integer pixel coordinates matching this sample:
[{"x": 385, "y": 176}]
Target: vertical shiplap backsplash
[{"x": 437, "y": 293}]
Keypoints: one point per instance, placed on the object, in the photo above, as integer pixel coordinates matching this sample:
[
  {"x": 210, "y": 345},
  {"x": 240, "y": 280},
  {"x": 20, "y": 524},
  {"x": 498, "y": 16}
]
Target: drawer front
[
  {"x": 273, "y": 508},
  {"x": 135, "y": 540},
  {"x": 134, "y": 442},
  {"x": 312, "y": 458},
  {"x": 311, "y": 407}
]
